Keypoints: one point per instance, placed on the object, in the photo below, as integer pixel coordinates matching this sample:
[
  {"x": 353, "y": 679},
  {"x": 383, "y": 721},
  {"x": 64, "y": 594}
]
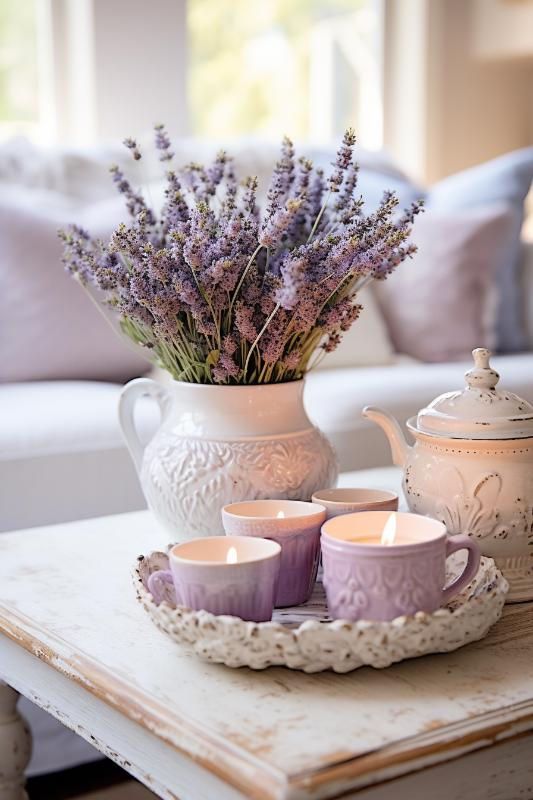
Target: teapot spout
[{"x": 398, "y": 445}]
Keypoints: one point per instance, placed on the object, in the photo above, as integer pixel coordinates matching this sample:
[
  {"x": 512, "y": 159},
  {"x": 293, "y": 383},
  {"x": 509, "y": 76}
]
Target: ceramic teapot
[{"x": 471, "y": 467}]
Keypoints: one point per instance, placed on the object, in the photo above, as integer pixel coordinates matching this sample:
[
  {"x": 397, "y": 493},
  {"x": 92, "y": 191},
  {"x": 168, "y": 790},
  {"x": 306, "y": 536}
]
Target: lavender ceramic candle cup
[
  {"x": 295, "y": 526},
  {"x": 348, "y": 501},
  {"x": 223, "y": 575},
  {"x": 365, "y": 579}
]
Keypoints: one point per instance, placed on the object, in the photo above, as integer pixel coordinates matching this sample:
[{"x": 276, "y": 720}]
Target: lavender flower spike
[
  {"x": 162, "y": 142},
  {"x": 272, "y": 233},
  {"x": 131, "y": 144},
  {"x": 343, "y": 160}
]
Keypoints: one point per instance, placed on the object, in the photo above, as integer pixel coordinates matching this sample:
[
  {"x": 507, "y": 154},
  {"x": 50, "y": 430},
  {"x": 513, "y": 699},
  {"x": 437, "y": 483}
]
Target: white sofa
[{"x": 62, "y": 456}]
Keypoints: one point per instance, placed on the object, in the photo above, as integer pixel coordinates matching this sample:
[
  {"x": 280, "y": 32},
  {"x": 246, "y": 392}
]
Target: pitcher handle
[
  {"x": 462, "y": 542},
  {"x": 140, "y": 387}
]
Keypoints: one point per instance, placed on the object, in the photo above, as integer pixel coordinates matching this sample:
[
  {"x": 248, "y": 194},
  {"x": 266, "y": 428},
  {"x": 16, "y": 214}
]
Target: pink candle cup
[
  {"x": 295, "y": 526},
  {"x": 349, "y": 501},
  {"x": 223, "y": 575},
  {"x": 367, "y": 579}
]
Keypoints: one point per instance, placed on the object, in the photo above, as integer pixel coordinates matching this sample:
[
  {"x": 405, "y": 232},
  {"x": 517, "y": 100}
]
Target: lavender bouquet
[{"x": 218, "y": 291}]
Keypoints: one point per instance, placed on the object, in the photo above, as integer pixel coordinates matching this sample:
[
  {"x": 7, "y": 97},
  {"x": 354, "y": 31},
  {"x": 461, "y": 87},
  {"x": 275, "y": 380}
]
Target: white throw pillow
[
  {"x": 50, "y": 329},
  {"x": 442, "y": 303},
  {"x": 367, "y": 342}
]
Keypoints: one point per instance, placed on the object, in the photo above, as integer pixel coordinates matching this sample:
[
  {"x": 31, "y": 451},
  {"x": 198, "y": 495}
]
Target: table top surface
[{"x": 66, "y": 595}]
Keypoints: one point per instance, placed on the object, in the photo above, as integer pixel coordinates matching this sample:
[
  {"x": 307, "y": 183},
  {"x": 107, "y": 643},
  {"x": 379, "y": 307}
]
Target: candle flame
[
  {"x": 280, "y": 515},
  {"x": 389, "y": 531},
  {"x": 231, "y": 556}
]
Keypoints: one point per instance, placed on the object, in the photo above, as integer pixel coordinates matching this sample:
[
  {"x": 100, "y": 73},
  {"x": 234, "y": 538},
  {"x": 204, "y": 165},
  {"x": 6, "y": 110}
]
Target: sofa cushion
[
  {"x": 367, "y": 343},
  {"x": 527, "y": 289},
  {"x": 506, "y": 180},
  {"x": 50, "y": 327},
  {"x": 62, "y": 456},
  {"x": 441, "y": 304}
]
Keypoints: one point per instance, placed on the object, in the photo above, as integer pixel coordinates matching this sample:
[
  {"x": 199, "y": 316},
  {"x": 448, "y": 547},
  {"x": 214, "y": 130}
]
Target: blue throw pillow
[{"x": 505, "y": 180}]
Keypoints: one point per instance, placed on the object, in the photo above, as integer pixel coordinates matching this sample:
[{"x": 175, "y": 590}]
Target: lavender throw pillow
[
  {"x": 49, "y": 327},
  {"x": 443, "y": 303}
]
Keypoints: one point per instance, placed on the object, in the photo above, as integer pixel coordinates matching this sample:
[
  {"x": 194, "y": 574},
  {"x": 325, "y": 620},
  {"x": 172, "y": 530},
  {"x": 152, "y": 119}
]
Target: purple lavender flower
[
  {"x": 293, "y": 275},
  {"x": 343, "y": 160},
  {"x": 249, "y": 197},
  {"x": 162, "y": 143},
  {"x": 282, "y": 179},
  {"x": 215, "y": 173},
  {"x": 134, "y": 200},
  {"x": 292, "y": 359},
  {"x": 131, "y": 144},
  {"x": 331, "y": 343},
  {"x": 219, "y": 293},
  {"x": 279, "y": 223},
  {"x": 244, "y": 322}
]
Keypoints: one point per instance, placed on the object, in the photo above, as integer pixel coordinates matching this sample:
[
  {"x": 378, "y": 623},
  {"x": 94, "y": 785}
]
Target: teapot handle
[{"x": 140, "y": 387}]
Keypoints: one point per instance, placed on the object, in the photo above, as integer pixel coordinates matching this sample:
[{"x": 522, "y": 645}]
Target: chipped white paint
[
  {"x": 15, "y": 746},
  {"x": 75, "y": 639},
  {"x": 305, "y": 638}
]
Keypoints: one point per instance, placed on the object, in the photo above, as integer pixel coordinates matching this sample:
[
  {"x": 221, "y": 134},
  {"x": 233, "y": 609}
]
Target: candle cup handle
[
  {"x": 462, "y": 542},
  {"x": 157, "y": 582}
]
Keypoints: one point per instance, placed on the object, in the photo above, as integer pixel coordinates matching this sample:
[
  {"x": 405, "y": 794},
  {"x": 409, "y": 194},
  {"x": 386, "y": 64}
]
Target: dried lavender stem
[
  {"x": 243, "y": 276},
  {"x": 261, "y": 332},
  {"x": 319, "y": 216}
]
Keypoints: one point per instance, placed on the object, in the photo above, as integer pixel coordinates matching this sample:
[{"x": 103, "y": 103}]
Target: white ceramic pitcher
[{"x": 221, "y": 444}]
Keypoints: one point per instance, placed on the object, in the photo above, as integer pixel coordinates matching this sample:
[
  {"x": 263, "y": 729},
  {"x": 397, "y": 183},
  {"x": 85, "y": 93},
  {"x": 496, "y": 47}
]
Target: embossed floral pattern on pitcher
[{"x": 220, "y": 444}]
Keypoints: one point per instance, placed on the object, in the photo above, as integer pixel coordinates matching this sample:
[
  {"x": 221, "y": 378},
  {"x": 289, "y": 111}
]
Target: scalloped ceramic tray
[{"x": 305, "y": 638}]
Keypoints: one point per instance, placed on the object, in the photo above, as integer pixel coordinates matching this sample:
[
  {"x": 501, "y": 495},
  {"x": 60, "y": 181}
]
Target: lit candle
[
  {"x": 295, "y": 526},
  {"x": 388, "y": 534},
  {"x": 380, "y": 565},
  {"x": 386, "y": 538},
  {"x": 231, "y": 556},
  {"x": 224, "y": 575}
]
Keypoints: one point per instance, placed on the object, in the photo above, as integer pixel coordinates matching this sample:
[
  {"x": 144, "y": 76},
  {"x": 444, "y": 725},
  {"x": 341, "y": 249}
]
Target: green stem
[
  {"x": 261, "y": 332},
  {"x": 319, "y": 216}
]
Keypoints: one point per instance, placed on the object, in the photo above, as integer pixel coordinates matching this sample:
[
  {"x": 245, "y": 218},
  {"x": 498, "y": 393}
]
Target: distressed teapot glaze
[
  {"x": 471, "y": 467},
  {"x": 222, "y": 444}
]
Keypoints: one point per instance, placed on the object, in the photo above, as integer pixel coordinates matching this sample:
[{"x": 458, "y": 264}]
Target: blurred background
[
  {"x": 440, "y": 93},
  {"x": 441, "y": 84}
]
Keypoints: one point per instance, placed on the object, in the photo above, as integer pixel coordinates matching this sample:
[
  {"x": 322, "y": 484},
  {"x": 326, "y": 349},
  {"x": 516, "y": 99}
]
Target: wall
[
  {"x": 107, "y": 66},
  {"x": 447, "y": 107}
]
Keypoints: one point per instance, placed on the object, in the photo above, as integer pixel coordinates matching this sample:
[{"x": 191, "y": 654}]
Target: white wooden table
[{"x": 74, "y": 640}]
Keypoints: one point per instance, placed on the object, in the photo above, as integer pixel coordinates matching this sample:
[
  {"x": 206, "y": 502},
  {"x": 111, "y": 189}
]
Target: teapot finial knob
[{"x": 482, "y": 376}]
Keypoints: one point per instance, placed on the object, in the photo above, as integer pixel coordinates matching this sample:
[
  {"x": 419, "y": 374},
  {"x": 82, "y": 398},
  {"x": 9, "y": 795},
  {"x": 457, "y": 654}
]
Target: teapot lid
[{"x": 479, "y": 411}]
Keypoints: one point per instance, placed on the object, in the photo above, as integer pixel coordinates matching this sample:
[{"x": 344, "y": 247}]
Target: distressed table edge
[{"x": 241, "y": 768}]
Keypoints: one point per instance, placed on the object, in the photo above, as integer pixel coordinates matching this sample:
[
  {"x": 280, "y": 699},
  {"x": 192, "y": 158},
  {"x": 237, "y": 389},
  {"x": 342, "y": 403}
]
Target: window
[
  {"x": 309, "y": 68},
  {"x": 19, "y": 98},
  {"x": 266, "y": 67}
]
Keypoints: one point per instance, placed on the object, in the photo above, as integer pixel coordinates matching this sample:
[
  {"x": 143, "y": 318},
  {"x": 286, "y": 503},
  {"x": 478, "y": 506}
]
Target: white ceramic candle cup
[
  {"x": 297, "y": 532},
  {"x": 349, "y": 501},
  {"x": 223, "y": 575}
]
